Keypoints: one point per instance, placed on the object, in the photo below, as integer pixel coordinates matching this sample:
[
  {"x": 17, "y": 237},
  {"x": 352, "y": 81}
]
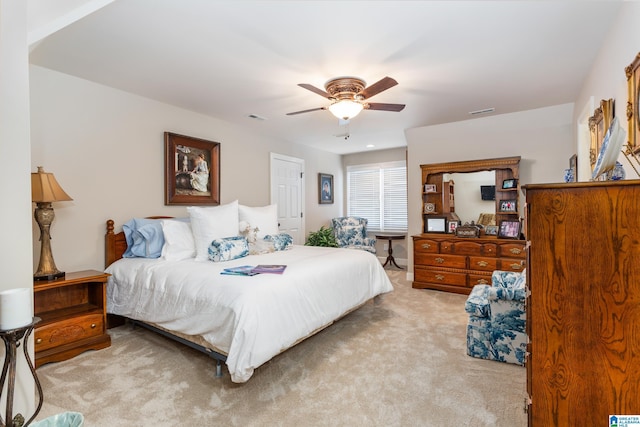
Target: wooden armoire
[{"x": 583, "y": 311}]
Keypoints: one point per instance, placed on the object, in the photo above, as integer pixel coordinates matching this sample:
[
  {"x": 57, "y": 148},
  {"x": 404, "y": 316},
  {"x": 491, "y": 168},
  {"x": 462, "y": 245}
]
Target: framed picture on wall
[
  {"x": 325, "y": 188},
  {"x": 192, "y": 170}
]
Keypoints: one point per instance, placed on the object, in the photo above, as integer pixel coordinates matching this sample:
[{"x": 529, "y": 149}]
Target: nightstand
[{"x": 73, "y": 312}]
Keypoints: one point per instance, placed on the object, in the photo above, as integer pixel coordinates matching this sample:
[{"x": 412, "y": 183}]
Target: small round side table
[
  {"x": 14, "y": 338},
  {"x": 390, "y": 237}
]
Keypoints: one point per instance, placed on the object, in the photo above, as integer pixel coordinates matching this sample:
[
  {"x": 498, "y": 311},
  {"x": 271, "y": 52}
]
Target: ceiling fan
[{"x": 348, "y": 96}]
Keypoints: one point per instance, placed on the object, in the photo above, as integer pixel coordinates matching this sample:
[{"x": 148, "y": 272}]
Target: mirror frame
[{"x": 512, "y": 163}]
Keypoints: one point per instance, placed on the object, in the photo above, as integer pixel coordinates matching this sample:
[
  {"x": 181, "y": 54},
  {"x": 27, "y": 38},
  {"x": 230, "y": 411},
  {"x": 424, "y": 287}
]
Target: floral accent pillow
[
  {"x": 228, "y": 248},
  {"x": 281, "y": 241}
]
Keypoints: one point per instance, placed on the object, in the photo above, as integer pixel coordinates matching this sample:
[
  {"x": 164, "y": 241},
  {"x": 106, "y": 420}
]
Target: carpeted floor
[{"x": 398, "y": 362}]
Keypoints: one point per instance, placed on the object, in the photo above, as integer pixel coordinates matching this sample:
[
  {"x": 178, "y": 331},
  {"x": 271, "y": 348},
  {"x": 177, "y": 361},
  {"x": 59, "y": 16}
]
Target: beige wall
[
  {"x": 15, "y": 182},
  {"x": 607, "y": 78},
  {"x": 106, "y": 149}
]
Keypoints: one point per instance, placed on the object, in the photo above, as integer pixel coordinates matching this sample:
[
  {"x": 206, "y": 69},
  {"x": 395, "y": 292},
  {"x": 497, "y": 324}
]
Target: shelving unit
[{"x": 506, "y": 194}]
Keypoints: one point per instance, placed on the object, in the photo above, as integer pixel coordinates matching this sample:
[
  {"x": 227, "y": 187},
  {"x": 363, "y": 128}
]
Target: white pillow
[
  {"x": 212, "y": 223},
  {"x": 178, "y": 241},
  {"x": 265, "y": 218}
]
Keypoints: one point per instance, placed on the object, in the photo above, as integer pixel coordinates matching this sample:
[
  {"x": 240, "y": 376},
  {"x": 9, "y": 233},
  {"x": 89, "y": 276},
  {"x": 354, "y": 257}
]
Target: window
[{"x": 378, "y": 192}]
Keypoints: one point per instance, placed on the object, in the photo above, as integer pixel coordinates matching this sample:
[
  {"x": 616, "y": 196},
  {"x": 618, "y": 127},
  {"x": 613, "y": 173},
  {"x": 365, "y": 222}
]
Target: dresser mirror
[{"x": 460, "y": 188}]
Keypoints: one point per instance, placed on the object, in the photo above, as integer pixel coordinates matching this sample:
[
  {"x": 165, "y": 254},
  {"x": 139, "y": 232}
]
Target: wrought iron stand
[{"x": 13, "y": 338}]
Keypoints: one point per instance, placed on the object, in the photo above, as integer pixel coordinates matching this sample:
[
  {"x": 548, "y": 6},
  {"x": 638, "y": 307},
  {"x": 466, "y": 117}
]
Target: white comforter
[{"x": 249, "y": 318}]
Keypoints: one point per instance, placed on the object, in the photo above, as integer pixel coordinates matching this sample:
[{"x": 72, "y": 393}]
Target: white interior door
[{"x": 287, "y": 178}]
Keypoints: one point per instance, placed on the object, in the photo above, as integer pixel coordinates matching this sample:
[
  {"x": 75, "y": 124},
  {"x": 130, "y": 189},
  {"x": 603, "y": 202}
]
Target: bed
[{"x": 243, "y": 321}]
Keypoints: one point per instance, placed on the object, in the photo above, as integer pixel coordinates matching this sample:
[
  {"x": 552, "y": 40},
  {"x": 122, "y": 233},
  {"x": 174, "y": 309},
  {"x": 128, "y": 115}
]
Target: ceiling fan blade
[
  {"x": 306, "y": 111},
  {"x": 384, "y": 107},
  {"x": 314, "y": 89},
  {"x": 378, "y": 87}
]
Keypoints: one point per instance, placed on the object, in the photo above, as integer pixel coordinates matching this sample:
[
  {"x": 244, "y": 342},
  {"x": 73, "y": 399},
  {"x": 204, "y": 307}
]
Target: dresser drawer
[
  {"x": 442, "y": 277},
  {"x": 441, "y": 260},
  {"x": 512, "y": 250},
  {"x": 67, "y": 331},
  {"x": 511, "y": 264},
  {"x": 477, "y": 279},
  {"x": 483, "y": 263},
  {"x": 462, "y": 247},
  {"x": 426, "y": 246}
]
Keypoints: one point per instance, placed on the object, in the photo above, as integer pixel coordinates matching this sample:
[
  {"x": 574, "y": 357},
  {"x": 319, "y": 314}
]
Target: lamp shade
[
  {"x": 45, "y": 188},
  {"x": 346, "y": 109}
]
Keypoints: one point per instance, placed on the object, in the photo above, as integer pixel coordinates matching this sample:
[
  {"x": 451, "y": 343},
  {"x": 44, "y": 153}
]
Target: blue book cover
[{"x": 242, "y": 270}]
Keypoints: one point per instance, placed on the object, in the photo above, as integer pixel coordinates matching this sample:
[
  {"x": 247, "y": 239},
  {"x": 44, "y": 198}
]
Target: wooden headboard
[{"x": 116, "y": 244}]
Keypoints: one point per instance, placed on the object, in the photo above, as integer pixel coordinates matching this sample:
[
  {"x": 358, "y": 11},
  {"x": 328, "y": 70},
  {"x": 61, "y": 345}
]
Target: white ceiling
[{"x": 230, "y": 59}]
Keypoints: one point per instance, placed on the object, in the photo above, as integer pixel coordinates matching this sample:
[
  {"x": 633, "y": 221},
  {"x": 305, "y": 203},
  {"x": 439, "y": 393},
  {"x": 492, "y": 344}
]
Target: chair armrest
[
  {"x": 369, "y": 241},
  {"x": 477, "y": 303},
  {"x": 504, "y": 279},
  {"x": 510, "y": 294}
]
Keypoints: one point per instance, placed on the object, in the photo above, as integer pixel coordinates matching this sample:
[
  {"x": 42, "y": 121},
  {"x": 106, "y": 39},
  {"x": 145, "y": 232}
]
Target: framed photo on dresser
[
  {"x": 509, "y": 229},
  {"x": 435, "y": 224}
]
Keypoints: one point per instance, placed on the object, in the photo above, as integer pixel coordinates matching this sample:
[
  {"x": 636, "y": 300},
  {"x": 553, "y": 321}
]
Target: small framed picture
[
  {"x": 452, "y": 225},
  {"x": 430, "y": 188},
  {"x": 509, "y": 229},
  {"x": 509, "y": 205},
  {"x": 435, "y": 224},
  {"x": 325, "y": 188},
  {"x": 429, "y": 208},
  {"x": 508, "y": 184},
  {"x": 491, "y": 230}
]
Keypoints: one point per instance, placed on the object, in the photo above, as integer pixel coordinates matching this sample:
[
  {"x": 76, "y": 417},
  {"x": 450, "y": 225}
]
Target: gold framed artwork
[
  {"x": 598, "y": 125},
  {"x": 633, "y": 103}
]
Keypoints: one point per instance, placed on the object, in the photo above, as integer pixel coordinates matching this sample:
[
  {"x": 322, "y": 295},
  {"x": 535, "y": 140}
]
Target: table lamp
[{"x": 45, "y": 190}]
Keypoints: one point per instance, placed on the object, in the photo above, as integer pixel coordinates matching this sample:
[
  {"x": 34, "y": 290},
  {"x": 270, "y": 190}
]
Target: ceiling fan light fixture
[{"x": 346, "y": 109}]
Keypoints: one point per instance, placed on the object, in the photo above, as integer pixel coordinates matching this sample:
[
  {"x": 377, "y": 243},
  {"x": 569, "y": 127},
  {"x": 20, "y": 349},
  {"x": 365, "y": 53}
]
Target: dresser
[
  {"x": 583, "y": 310},
  {"x": 456, "y": 264},
  {"x": 73, "y": 313}
]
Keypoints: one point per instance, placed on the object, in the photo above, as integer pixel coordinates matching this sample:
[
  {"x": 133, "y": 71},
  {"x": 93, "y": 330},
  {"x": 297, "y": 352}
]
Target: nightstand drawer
[{"x": 67, "y": 331}]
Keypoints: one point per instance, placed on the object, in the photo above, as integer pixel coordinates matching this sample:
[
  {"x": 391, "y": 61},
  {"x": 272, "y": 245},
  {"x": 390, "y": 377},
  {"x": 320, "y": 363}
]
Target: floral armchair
[
  {"x": 351, "y": 232},
  {"x": 496, "y": 328}
]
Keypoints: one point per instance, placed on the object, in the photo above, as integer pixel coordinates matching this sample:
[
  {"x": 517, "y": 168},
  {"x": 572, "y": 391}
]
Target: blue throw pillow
[{"x": 144, "y": 237}]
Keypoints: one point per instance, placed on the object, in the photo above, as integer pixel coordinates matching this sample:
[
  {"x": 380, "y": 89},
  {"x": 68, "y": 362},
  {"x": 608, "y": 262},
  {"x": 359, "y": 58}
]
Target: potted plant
[{"x": 322, "y": 237}]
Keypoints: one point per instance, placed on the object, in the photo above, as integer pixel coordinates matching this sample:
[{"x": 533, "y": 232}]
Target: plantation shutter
[{"x": 378, "y": 192}]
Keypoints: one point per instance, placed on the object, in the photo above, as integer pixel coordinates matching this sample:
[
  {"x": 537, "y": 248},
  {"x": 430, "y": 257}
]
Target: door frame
[{"x": 274, "y": 189}]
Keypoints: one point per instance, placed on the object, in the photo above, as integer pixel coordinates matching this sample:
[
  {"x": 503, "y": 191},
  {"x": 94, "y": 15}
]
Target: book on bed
[
  {"x": 273, "y": 269},
  {"x": 243, "y": 270}
]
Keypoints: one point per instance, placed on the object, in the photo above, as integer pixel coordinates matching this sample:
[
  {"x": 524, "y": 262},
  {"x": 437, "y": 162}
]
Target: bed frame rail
[{"x": 219, "y": 358}]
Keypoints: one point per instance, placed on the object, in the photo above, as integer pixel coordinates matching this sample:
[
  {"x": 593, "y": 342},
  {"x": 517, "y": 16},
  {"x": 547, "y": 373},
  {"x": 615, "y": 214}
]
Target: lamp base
[{"x": 48, "y": 277}]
